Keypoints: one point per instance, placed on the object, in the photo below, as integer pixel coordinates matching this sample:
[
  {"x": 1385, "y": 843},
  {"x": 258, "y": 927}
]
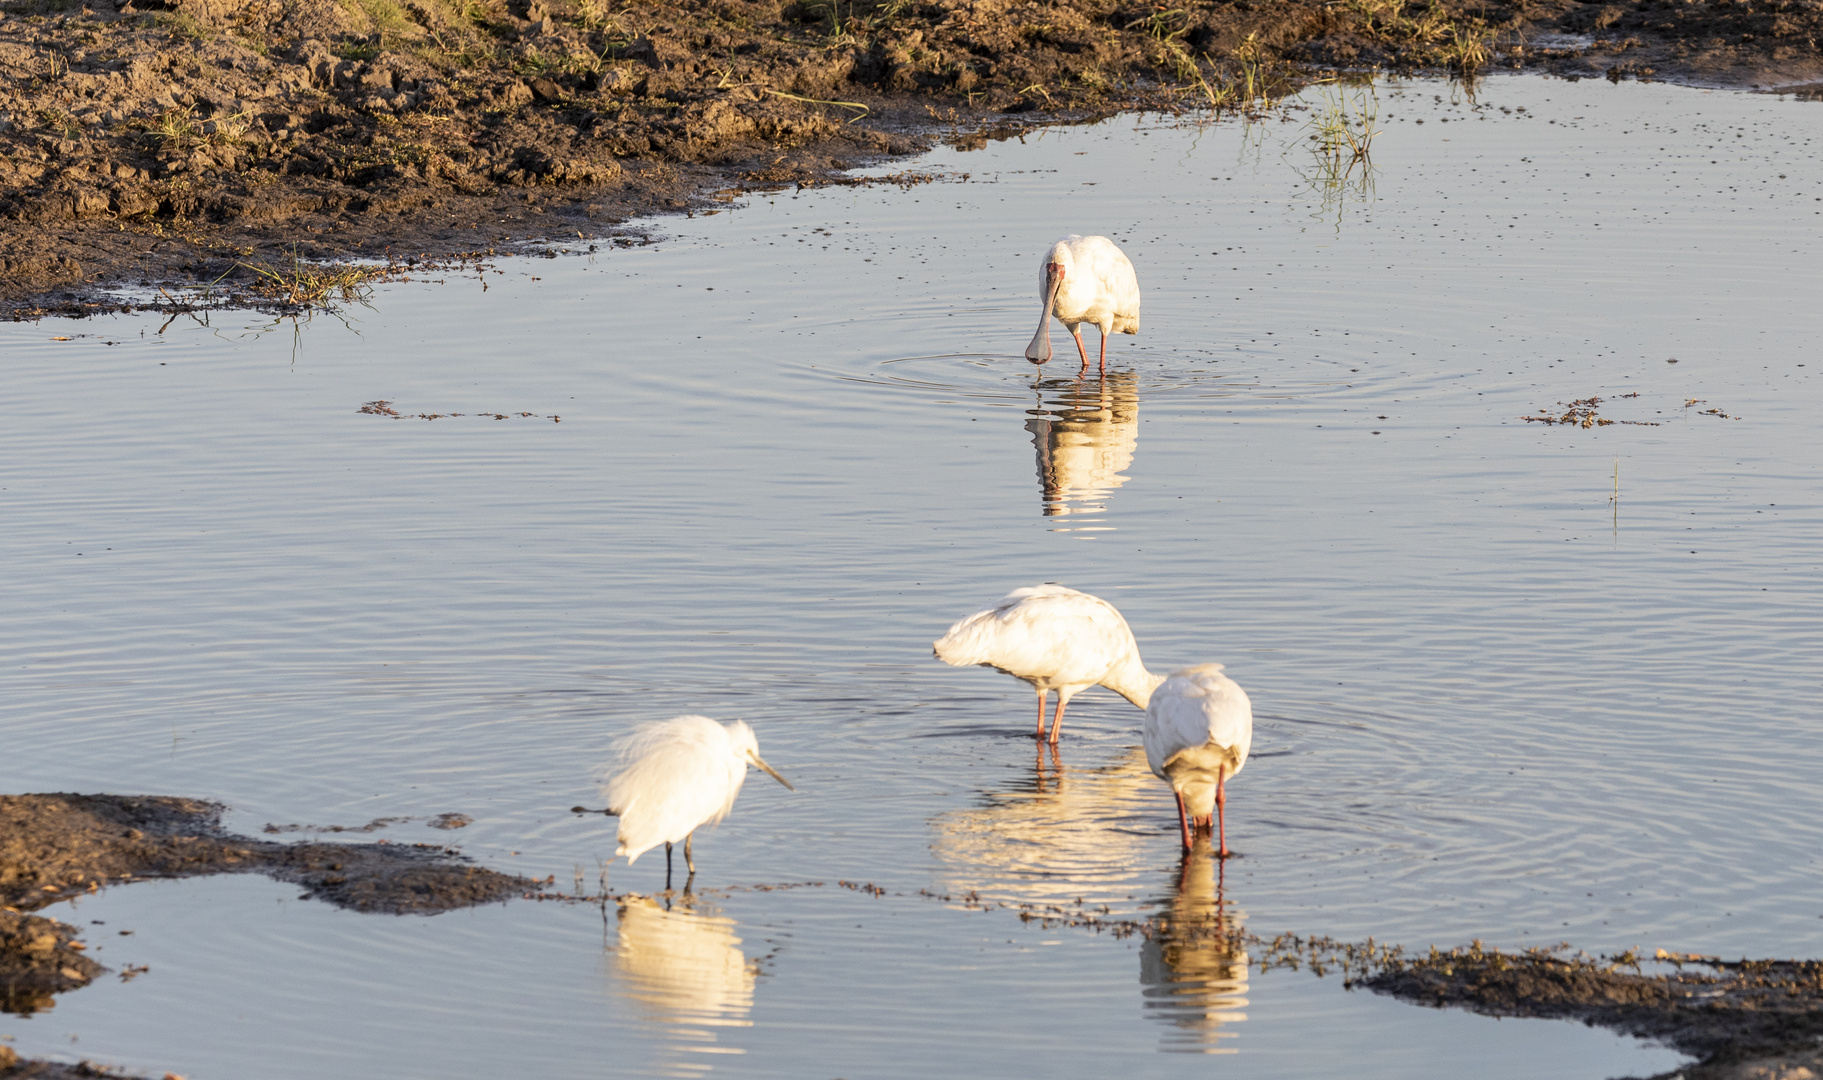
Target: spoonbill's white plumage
[
  {"x": 1056, "y": 639},
  {"x": 1085, "y": 279},
  {"x": 670, "y": 776},
  {"x": 1199, "y": 726}
]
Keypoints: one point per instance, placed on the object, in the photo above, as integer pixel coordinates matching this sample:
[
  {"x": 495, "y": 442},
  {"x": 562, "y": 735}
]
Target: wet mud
[
  {"x": 12, "y": 1067},
  {"x": 1740, "y": 1020},
  {"x": 220, "y": 146},
  {"x": 54, "y": 847}
]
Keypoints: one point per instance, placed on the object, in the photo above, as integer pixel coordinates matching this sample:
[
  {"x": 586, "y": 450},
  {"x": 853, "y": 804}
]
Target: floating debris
[
  {"x": 384, "y": 408},
  {"x": 1581, "y": 413}
]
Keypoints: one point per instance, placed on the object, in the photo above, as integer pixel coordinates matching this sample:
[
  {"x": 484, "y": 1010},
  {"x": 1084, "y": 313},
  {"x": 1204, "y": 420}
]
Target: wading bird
[
  {"x": 1085, "y": 279},
  {"x": 1056, "y": 639},
  {"x": 1199, "y": 725},
  {"x": 670, "y": 776}
]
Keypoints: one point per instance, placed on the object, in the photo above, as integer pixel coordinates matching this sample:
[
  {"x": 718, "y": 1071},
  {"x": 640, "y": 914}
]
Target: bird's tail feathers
[{"x": 969, "y": 642}]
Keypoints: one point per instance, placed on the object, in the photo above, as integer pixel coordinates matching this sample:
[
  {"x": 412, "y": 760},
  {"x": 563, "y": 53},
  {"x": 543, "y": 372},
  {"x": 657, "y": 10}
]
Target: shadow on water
[
  {"x": 681, "y": 964},
  {"x": 1086, "y": 433},
  {"x": 1193, "y": 972}
]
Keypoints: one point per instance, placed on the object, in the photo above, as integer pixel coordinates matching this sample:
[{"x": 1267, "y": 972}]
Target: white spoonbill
[
  {"x": 670, "y": 776},
  {"x": 1199, "y": 725},
  {"x": 1056, "y": 639},
  {"x": 1085, "y": 279}
]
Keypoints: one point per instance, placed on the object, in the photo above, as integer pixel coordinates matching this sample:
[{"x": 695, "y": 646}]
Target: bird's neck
[{"x": 1133, "y": 682}]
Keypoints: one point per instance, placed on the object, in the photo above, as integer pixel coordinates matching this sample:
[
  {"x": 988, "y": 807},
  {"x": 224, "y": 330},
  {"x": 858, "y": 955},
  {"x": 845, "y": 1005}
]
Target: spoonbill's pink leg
[
  {"x": 1040, "y": 735},
  {"x": 1183, "y": 823},
  {"x": 1057, "y": 718},
  {"x": 1081, "y": 349},
  {"x": 1221, "y": 806}
]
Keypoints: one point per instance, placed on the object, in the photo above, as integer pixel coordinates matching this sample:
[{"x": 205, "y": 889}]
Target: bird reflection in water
[
  {"x": 1086, "y": 434},
  {"x": 1073, "y": 837},
  {"x": 682, "y": 966},
  {"x": 1193, "y": 971}
]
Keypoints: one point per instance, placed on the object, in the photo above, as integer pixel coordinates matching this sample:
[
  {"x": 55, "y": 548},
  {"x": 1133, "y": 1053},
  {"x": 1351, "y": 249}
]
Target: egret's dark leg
[
  {"x": 1183, "y": 822},
  {"x": 1057, "y": 718},
  {"x": 667, "y": 866},
  {"x": 1104, "y": 352},
  {"x": 1221, "y": 803},
  {"x": 688, "y": 861}
]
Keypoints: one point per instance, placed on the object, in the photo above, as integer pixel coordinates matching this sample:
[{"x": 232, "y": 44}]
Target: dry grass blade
[{"x": 820, "y": 101}]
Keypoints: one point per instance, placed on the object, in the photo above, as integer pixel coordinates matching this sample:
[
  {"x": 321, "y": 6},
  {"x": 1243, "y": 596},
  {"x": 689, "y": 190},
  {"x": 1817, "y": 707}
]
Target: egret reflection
[
  {"x": 1067, "y": 834},
  {"x": 1086, "y": 433},
  {"x": 1193, "y": 971},
  {"x": 682, "y": 967}
]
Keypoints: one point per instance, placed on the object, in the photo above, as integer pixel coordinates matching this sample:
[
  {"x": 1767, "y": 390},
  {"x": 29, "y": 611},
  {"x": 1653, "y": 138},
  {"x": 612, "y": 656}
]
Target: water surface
[{"x": 1514, "y": 682}]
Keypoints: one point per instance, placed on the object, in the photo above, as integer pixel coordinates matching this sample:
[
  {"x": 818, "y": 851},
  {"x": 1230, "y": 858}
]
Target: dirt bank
[
  {"x": 53, "y": 847},
  {"x": 1741, "y": 1020},
  {"x": 13, "y": 1068},
  {"x": 148, "y": 142}
]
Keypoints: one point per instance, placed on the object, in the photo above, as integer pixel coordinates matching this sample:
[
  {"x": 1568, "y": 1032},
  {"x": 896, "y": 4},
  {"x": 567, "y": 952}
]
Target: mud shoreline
[
  {"x": 54, "y": 847},
  {"x": 1740, "y": 1020},
  {"x": 218, "y": 152}
]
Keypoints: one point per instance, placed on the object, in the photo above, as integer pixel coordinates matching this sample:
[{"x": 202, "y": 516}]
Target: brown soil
[
  {"x": 53, "y": 847},
  {"x": 1742, "y": 1020},
  {"x": 12, "y": 1068},
  {"x": 190, "y": 142},
  {"x": 1746, "y": 1020}
]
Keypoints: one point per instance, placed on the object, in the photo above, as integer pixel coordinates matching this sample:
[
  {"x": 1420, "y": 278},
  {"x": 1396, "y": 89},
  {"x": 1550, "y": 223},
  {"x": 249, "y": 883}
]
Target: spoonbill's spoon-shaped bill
[
  {"x": 1085, "y": 279},
  {"x": 670, "y": 776},
  {"x": 1057, "y": 639},
  {"x": 1199, "y": 726}
]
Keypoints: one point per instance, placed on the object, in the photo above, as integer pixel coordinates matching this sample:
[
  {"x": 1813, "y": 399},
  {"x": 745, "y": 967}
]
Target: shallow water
[{"x": 798, "y": 440}]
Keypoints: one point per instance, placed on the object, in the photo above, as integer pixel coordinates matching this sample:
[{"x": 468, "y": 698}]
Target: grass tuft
[{"x": 305, "y": 284}]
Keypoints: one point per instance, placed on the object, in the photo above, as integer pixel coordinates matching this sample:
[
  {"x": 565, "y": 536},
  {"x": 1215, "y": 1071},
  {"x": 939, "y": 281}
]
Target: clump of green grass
[
  {"x": 1425, "y": 35},
  {"x": 1255, "y": 83},
  {"x": 305, "y": 284},
  {"x": 181, "y": 24},
  {"x": 179, "y": 129},
  {"x": 1344, "y": 129},
  {"x": 854, "y": 21},
  {"x": 385, "y": 19}
]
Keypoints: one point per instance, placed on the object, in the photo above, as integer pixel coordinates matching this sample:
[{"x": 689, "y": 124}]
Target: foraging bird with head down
[
  {"x": 1058, "y": 640},
  {"x": 1199, "y": 726},
  {"x": 671, "y": 776},
  {"x": 1085, "y": 279}
]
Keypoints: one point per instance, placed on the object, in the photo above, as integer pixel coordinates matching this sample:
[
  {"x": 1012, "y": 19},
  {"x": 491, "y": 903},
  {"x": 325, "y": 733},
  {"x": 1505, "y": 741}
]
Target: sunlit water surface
[{"x": 1514, "y": 682}]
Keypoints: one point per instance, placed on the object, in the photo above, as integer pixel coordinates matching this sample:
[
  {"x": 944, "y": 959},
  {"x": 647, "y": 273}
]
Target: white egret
[
  {"x": 1199, "y": 726},
  {"x": 670, "y": 776},
  {"x": 1056, "y": 639},
  {"x": 1085, "y": 279}
]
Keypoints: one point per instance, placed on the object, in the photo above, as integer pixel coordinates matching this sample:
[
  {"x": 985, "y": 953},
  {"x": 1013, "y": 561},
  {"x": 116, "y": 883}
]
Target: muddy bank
[
  {"x": 188, "y": 142},
  {"x": 1741, "y": 1020},
  {"x": 13, "y": 1068},
  {"x": 53, "y": 847}
]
